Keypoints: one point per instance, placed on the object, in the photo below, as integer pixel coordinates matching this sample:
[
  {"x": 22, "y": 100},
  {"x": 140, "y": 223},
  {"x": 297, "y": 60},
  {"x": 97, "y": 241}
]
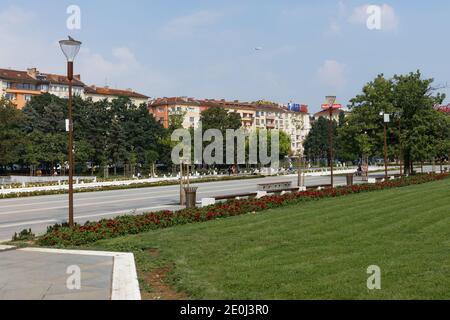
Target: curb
[{"x": 6, "y": 248}]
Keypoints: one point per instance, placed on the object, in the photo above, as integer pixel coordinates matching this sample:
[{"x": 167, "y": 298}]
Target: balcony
[{"x": 23, "y": 91}]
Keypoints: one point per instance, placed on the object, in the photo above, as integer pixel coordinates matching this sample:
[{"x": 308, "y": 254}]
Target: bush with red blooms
[{"x": 63, "y": 235}]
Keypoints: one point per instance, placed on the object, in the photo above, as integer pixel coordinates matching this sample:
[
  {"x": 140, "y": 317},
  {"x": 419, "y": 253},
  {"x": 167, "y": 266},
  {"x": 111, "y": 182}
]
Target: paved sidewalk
[{"x": 43, "y": 274}]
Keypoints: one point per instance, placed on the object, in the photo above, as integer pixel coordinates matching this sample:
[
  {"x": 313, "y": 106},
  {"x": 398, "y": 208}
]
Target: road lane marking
[
  {"x": 98, "y": 203},
  {"x": 99, "y": 195},
  {"x": 27, "y": 223}
]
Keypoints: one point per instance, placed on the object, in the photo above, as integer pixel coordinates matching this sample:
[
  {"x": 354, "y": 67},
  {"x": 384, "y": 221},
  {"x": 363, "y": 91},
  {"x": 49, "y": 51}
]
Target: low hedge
[{"x": 62, "y": 235}]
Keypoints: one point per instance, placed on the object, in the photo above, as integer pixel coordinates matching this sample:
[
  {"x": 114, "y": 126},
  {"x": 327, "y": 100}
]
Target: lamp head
[{"x": 70, "y": 48}]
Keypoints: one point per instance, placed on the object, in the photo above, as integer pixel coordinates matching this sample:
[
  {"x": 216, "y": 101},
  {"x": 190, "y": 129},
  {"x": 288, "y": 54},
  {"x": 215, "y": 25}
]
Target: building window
[
  {"x": 10, "y": 96},
  {"x": 28, "y": 97},
  {"x": 192, "y": 119},
  {"x": 161, "y": 110}
]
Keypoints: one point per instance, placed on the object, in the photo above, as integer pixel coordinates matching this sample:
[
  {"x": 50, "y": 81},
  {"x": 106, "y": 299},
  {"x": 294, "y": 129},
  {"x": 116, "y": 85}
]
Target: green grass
[{"x": 315, "y": 250}]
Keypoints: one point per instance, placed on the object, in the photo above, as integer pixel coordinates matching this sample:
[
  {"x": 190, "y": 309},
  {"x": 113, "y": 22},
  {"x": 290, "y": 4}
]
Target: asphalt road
[{"x": 39, "y": 212}]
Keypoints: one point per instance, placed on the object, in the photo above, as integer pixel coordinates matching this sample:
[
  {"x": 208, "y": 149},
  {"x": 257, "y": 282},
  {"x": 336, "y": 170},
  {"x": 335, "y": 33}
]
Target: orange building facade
[{"x": 20, "y": 86}]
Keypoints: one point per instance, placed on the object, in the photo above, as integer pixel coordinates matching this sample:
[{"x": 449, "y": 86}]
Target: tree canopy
[{"x": 416, "y": 131}]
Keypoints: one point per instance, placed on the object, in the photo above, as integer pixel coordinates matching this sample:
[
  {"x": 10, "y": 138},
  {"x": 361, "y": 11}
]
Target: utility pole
[
  {"x": 70, "y": 48},
  {"x": 182, "y": 198},
  {"x": 386, "y": 120},
  {"x": 330, "y": 137},
  {"x": 400, "y": 145},
  {"x": 385, "y": 153},
  {"x": 300, "y": 177}
]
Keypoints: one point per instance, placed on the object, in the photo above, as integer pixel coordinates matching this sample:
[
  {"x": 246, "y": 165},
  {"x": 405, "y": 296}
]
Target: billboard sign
[{"x": 294, "y": 107}]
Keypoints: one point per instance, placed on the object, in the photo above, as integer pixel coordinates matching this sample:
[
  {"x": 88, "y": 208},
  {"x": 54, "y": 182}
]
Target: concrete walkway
[{"x": 46, "y": 274}]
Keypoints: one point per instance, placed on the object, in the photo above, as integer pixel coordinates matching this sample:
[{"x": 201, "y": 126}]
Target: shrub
[{"x": 24, "y": 235}]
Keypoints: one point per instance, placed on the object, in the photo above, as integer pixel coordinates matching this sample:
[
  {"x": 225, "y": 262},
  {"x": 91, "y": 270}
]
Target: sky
[{"x": 281, "y": 51}]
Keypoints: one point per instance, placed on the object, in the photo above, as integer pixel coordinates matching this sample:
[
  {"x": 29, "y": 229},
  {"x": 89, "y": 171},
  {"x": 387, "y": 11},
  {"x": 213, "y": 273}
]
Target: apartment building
[
  {"x": 105, "y": 93},
  {"x": 20, "y": 86},
  {"x": 294, "y": 119},
  {"x": 247, "y": 111},
  {"x": 190, "y": 108}
]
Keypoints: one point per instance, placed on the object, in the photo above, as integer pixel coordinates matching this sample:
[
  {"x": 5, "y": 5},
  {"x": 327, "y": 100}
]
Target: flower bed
[{"x": 124, "y": 225}]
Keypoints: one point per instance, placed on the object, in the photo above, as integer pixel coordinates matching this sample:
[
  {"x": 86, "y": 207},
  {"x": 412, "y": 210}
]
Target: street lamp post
[
  {"x": 70, "y": 48},
  {"x": 386, "y": 120},
  {"x": 300, "y": 177},
  {"x": 330, "y": 107},
  {"x": 400, "y": 154}
]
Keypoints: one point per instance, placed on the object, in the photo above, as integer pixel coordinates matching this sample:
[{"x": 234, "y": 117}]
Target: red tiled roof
[
  {"x": 214, "y": 103},
  {"x": 58, "y": 79},
  {"x": 174, "y": 101},
  {"x": 445, "y": 109},
  {"x": 326, "y": 112},
  {"x": 114, "y": 92},
  {"x": 24, "y": 76},
  {"x": 15, "y": 75}
]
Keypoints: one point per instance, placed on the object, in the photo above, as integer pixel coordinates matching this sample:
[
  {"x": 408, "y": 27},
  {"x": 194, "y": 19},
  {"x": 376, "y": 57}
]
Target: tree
[
  {"x": 409, "y": 96},
  {"x": 316, "y": 144},
  {"x": 105, "y": 133},
  {"x": 429, "y": 139},
  {"x": 414, "y": 97},
  {"x": 222, "y": 120},
  {"x": 285, "y": 144},
  {"x": 363, "y": 129},
  {"x": 12, "y": 137},
  {"x": 151, "y": 157}
]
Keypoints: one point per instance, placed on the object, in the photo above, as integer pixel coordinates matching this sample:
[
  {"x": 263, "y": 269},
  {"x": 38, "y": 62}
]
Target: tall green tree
[
  {"x": 410, "y": 101},
  {"x": 12, "y": 136},
  {"x": 316, "y": 144}
]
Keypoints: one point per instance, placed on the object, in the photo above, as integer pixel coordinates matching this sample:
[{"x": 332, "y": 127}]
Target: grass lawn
[{"x": 315, "y": 250}]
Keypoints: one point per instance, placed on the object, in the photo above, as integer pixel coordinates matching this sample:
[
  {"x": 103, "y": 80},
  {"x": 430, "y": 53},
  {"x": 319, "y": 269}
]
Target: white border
[
  {"x": 4, "y": 247},
  {"x": 125, "y": 284}
]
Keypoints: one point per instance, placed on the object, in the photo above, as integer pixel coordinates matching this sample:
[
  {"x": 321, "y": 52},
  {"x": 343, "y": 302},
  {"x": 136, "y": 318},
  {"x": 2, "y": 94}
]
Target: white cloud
[
  {"x": 18, "y": 38},
  {"x": 187, "y": 26},
  {"x": 332, "y": 74},
  {"x": 336, "y": 22},
  {"x": 334, "y": 28},
  {"x": 389, "y": 19},
  {"x": 119, "y": 66},
  {"x": 95, "y": 64}
]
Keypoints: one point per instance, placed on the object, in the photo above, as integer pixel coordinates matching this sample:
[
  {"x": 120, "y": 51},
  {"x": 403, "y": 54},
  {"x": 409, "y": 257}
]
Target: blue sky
[{"x": 206, "y": 49}]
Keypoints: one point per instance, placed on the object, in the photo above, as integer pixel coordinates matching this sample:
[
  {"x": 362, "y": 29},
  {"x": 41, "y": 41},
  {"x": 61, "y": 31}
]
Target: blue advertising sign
[{"x": 294, "y": 107}]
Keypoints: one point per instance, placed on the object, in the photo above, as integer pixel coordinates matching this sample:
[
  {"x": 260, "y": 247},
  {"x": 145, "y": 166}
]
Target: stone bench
[{"x": 275, "y": 186}]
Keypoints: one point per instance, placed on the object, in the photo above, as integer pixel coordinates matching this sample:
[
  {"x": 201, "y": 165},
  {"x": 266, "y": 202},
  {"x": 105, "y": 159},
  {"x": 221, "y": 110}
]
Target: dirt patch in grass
[
  {"x": 153, "y": 252},
  {"x": 158, "y": 281}
]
